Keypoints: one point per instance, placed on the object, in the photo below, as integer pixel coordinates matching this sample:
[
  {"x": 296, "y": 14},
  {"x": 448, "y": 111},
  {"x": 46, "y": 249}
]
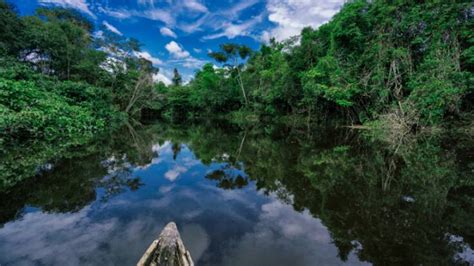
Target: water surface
[{"x": 259, "y": 195}]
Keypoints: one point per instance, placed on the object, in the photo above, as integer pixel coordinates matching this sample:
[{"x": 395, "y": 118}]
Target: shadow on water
[{"x": 404, "y": 202}]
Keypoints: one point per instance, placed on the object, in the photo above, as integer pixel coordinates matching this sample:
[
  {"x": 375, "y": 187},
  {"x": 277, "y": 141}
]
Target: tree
[
  {"x": 273, "y": 90},
  {"x": 233, "y": 52},
  {"x": 59, "y": 42},
  {"x": 11, "y": 30},
  {"x": 143, "y": 88},
  {"x": 177, "y": 79}
]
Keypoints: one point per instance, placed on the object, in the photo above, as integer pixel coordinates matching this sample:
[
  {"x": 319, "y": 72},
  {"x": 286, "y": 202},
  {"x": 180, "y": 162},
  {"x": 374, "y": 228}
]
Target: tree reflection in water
[
  {"x": 73, "y": 182},
  {"x": 401, "y": 202},
  {"x": 406, "y": 202}
]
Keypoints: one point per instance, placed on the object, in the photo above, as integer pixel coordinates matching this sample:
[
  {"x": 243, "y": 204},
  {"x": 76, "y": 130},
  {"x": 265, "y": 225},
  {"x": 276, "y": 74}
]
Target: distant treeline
[{"x": 405, "y": 64}]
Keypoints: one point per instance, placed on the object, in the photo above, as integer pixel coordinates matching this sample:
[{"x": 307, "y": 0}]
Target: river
[{"x": 248, "y": 195}]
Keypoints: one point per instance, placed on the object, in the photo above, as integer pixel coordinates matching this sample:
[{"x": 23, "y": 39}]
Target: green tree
[
  {"x": 232, "y": 53},
  {"x": 177, "y": 79},
  {"x": 11, "y": 30},
  {"x": 59, "y": 42}
]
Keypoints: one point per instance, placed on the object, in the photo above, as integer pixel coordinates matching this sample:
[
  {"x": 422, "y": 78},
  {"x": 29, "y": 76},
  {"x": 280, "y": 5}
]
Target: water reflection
[{"x": 268, "y": 195}]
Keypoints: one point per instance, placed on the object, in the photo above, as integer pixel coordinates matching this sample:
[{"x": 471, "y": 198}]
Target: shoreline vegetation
[{"x": 401, "y": 68}]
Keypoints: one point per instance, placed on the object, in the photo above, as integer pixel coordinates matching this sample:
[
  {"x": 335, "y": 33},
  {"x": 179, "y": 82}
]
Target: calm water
[{"x": 262, "y": 195}]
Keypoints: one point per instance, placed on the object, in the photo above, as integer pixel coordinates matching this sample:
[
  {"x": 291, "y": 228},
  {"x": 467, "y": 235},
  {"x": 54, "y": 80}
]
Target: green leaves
[
  {"x": 229, "y": 51},
  {"x": 219, "y": 57},
  {"x": 327, "y": 81},
  {"x": 42, "y": 108},
  {"x": 373, "y": 59}
]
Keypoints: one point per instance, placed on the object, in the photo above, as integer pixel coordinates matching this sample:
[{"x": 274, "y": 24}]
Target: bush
[{"x": 29, "y": 111}]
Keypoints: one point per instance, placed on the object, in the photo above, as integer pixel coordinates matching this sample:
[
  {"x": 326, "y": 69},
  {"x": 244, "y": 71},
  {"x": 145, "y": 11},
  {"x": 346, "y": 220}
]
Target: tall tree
[
  {"x": 177, "y": 79},
  {"x": 143, "y": 90},
  {"x": 59, "y": 42},
  {"x": 231, "y": 53}
]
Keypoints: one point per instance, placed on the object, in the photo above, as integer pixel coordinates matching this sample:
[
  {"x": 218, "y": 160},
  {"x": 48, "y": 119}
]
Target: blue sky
[{"x": 180, "y": 33}]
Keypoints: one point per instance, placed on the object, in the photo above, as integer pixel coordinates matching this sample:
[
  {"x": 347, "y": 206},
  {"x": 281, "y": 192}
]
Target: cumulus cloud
[
  {"x": 165, "y": 31},
  {"x": 291, "y": 16},
  {"x": 176, "y": 50},
  {"x": 146, "y": 55},
  {"x": 163, "y": 78},
  {"x": 173, "y": 173},
  {"x": 112, "y": 28},
  {"x": 283, "y": 233},
  {"x": 80, "y": 5},
  {"x": 75, "y": 235}
]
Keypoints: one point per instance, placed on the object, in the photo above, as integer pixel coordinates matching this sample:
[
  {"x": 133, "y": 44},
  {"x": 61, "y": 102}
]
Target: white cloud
[
  {"x": 162, "y": 77},
  {"x": 233, "y": 30},
  {"x": 163, "y": 148},
  {"x": 195, "y": 236},
  {"x": 196, "y": 25},
  {"x": 116, "y": 13},
  {"x": 157, "y": 14},
  {"x": 152, "y": 14},
  {"x": 195, "y": 6},
  {"x": 173, "y": 173},
  {"x": 239, "y": 7},
  {"x": 76, "y": 4},
  {"x": 188, "y": 62},
  {"x": 197, "y": 50},
  {"x": 146, "y": 55},
  {"x": 280, "y": 228},
  {"x": 218, "y": 19},
  {"x": 166, "y": 12},
  {"x": 168, "y": 32},
  {"x": 192, "y": 62},
  {"x": 146, "y": 2},
  {"x": 291, "y": 16},
  {"x": 166, "y": 189},
  {"x": 265, "y": 37},
  {"x": 112, "y": 28},
  {"x": 176, "y": 50},
  {"x": 98, "y": 34}
]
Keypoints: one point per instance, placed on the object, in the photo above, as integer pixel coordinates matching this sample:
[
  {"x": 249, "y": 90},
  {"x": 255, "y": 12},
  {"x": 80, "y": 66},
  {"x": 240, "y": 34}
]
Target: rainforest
[{"x": 348, "y": 143}]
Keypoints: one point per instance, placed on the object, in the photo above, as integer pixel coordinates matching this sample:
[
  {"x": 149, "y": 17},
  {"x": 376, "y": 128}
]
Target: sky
[{"x": 180, "y": 33}]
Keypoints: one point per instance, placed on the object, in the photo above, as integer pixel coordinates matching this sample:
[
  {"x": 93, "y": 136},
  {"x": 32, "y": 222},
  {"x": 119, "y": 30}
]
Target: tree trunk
[{"x": 241, "y": 82}]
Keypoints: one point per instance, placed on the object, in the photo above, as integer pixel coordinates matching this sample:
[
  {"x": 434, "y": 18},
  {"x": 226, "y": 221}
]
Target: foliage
[
  {"x": 387, "y": 204},
  {"x": 372, "y": 60},
  {"x": 230, "y": 54},
  {"x": 10, "y": 29},
  {"x": 177, "y": 79},
  {"x": 36, "y": 107},
  {"x": 61, "y": 86}
]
